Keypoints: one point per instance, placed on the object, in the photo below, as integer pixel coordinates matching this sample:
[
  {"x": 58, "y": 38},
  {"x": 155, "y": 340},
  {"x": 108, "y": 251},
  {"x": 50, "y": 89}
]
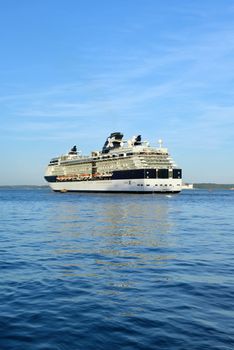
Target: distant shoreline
[
  {"x": 22, "y": 186},
  {"x": 213, "y": 186}
]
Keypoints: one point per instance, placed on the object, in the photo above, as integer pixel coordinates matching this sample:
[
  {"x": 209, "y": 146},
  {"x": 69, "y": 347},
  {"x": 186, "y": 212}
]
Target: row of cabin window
[
  {"x": 113, "y": 156},
  {"x": 156, "y": 185}
]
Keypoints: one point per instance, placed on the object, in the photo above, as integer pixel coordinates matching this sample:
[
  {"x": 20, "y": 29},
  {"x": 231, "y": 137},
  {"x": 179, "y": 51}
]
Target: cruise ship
[{"x": 131, "y": 166}]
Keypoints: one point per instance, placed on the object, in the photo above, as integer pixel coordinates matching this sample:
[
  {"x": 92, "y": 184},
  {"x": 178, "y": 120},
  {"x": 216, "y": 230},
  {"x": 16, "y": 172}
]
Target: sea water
[{"x": 116, "y": 271}]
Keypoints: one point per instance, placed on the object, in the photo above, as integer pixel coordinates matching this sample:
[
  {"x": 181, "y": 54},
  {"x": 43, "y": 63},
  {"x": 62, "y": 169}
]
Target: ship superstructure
[{"x": 121, "y": 166}]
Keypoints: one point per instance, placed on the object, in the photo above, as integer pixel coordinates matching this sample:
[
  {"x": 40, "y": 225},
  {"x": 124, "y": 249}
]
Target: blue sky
[{"x": 72, "y": 71}]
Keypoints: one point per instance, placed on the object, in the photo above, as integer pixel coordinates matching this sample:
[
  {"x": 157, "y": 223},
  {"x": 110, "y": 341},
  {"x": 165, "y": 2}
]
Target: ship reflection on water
[{"x": 98, "y": 235}]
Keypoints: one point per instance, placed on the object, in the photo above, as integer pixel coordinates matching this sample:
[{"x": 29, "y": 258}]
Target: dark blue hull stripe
[{"x": 128, "y": 175}]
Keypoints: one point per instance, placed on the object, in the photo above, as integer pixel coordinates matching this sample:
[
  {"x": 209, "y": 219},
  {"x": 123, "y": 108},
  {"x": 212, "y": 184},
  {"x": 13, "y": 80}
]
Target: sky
[{"x": 73, "y": 71}]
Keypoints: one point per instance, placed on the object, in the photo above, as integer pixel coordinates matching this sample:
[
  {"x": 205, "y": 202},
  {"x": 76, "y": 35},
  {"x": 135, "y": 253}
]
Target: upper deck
[{"x": 135, "y": 154}]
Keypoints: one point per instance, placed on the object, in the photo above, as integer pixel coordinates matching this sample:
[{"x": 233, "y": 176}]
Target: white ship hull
[{"x": 128, "y": 186}]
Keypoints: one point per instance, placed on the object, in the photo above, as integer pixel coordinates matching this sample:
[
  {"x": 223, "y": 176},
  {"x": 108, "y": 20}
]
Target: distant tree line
[{"x": 213, "y": 186}]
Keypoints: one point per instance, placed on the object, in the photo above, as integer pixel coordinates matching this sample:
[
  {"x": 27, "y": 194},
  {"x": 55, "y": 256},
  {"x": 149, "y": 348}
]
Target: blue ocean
[{"x": 116, "y": 271}]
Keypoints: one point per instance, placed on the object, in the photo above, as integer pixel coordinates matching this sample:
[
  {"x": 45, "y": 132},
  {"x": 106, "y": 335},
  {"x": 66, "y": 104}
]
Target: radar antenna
[{"x": 160, "y": 141}]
